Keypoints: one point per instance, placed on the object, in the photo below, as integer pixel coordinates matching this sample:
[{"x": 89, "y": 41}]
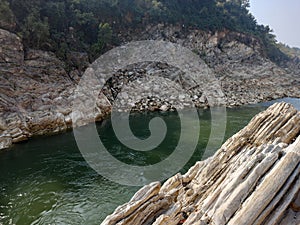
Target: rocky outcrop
[
  {"x": 162, "y": 87},
  {"x": 238, "y": 60},
  {"x": 36, "y": 87},
  {"x": 252, "y": 179},
  {"x": 36, "y": 92},
  {"x": 11, "y": 48}
]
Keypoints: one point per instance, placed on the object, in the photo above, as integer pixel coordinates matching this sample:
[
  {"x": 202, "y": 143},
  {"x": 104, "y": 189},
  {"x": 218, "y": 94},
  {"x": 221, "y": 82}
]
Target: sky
[{"x": 282, "y": 16}]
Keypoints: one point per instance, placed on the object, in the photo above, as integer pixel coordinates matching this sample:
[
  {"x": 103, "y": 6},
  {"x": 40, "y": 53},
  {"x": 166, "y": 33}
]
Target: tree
[
  {"x": 88, "y": 25},
  {"x": 245, "y": 3},
  {"x": 104, "y": 38},
  {"x": 35, "y": 31},
  {"x": 7, "y": 18}
]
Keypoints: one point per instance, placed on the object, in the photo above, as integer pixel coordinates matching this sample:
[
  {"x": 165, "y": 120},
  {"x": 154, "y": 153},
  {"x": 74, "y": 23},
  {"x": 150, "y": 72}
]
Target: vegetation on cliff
[
  {"x": 292, "y": 52},
  {"x": 93, "y": 25}
]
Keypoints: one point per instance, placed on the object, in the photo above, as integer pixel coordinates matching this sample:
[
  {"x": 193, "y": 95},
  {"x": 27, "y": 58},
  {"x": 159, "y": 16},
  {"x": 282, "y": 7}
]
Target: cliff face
[
  {"x": 37, "y": 92},
  {"x": 240, "y": 64},
  {"x": 252, "y": 179}
]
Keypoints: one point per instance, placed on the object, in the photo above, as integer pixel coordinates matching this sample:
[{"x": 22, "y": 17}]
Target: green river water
[{"x": 47, "y": 181}]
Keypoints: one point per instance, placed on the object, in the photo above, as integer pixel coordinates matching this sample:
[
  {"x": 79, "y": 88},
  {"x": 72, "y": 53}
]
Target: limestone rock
[
  {"x": 252, "y": 179},
  {"x": 36, "y": 93},
  {"x": 11, "y": 48},
  {"x": 5, "y": 141},
  {"x": 36, "y": 83},
  {"x": 237, "y": 60}
]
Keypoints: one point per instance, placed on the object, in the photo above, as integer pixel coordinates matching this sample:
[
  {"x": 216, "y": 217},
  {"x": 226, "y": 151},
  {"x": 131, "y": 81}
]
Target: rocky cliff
[
  {"x": 238, "y": 60},
  {"x": 37, "y": 92},
  {"x": 252, "y": 179}
]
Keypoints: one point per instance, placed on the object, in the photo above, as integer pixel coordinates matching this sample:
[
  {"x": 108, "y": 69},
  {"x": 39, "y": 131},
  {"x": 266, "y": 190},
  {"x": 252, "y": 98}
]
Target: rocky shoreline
[
  {"x": 37, "y": 91},
  {"x": 252, "y": 179}
]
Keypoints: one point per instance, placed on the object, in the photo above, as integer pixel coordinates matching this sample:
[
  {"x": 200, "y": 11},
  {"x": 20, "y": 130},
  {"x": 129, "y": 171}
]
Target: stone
[
  {"x": 233, "y": 67},
  {"x": 11, "y": 48},
  {"x": 164, "y": 108},
  {"x": 124, "y": 95},
  {"x": 5, "y": 141},
  {"x": 181, "y": 97},
  {"x": 3, "y": 125},
  {"x": 42, "y": 59},
  {"x": 68, "y": 121},
  {"x": 252, "y": 179},
  {"x": 19, "y": 139}
]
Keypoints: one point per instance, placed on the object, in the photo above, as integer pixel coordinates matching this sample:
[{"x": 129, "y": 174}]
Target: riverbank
[
  {"x": 37, "y": 90},
  {"x": 252, "y": 179}
]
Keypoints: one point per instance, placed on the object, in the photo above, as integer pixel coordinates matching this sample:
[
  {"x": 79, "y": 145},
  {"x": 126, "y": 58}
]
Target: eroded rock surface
[
  {"x": 36, "y": 91},
  {"x": 252, "y": 179},
  {"x": 238, "y": 60}
]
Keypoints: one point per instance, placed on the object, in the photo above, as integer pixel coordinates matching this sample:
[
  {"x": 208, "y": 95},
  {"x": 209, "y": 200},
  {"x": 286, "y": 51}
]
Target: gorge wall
[{"x": 37, "y": 91}]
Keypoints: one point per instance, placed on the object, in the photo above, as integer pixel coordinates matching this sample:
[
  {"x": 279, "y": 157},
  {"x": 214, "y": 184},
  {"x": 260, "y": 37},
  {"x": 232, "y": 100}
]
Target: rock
[
  {"x": 11, "y": 48},
  {"x": 5, "y": 141},
  {"x": 41, "y": 59},
  {"x": 35, "y": 89},
  {"x": 238, "y": 60},
  {"x": 75, "y": 75},
  {"x": 68, "y": 121},
  {"x": 203, "y": 99},
  {"x": 38, "y": 84},
  {"x": 3, "y": 125},
  {"x": 16, "y": 132},
  {"x": 252, "y": 179},
  {"x": 147, "y": 197},
  {"x": 164, "y": 108},
  {"x": 19, "y": 139},
  {"x": 78, "y": 60},
  {"x": 124, "y": 95},
  {"x": 181, "y": 97}
]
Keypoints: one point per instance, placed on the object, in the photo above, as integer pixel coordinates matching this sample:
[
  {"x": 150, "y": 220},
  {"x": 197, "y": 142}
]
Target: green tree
[
  {"x": 35, "y": 31},
  {"x": 104, "y": 38},
  {"x": 88, "y": 25},
  {"x": 7, "y": 18}
]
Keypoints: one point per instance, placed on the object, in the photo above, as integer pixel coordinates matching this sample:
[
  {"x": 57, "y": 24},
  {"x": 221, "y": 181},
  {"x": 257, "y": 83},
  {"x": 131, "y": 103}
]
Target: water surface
[{"x": 47, "y": 181}]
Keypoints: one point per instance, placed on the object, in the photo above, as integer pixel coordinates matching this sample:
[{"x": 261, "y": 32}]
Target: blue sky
[{"x": 283, "y": 16}]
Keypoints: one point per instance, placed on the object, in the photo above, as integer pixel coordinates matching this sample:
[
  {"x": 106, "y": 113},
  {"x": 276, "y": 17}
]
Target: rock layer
[
  {"x": 252, "y": 179},
  {"x": 238, "y": 60},
  {"x": 37, "y": 91}
]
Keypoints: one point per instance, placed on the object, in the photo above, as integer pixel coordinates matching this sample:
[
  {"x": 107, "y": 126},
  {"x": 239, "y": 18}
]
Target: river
[{"x": 47, "y": 181}]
